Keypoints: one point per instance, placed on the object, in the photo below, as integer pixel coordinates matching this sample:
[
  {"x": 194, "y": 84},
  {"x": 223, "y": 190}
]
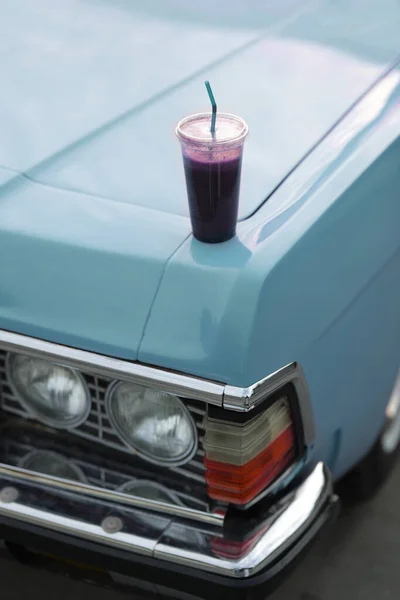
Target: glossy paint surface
[
  {"x": 94, "y": 238},
  {"x": 6, "y": 175},
  {"x": 79, "y": 269},
  {"x": 94, "y": 90},
  {"x": 314, "y": 275}
]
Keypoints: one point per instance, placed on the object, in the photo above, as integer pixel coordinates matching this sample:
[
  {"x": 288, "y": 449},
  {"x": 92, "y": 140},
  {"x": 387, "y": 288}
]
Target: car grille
[
  {"x": 98, "y": 428},
  {"x": 17, "y": 444}
]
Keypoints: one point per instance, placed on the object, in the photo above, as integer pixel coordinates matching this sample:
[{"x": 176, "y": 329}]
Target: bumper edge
[
  {"x": 278, "y": 538},
  {"x": 181, "y": 581}
]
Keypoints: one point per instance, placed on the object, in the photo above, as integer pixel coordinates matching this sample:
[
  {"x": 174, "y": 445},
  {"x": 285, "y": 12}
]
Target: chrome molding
[
  {"x": 299, "y": 509},
  {"x": 245, "y": 399},
  {"x": 241, "y": 399},
  {"x": 98, "y": 427},
  {"x": 115, "y": 368},
  {"x": 175, "y": 541},
  {"x": 19, "y": 474},
  {"x": 20, "y": 444},
  {"x": 227, "y": 396}
]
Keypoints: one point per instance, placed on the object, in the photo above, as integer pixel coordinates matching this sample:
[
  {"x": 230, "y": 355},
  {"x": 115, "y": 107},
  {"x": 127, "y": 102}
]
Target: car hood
[
  {"x": 92, "y": 196},
  {"x": 92, "y": 91},
  {"x": 79, "y": 270}
]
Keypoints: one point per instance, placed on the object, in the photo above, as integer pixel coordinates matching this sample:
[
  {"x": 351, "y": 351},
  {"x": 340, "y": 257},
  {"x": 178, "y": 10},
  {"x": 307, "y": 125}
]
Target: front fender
[{"x": 312, "y": 277}]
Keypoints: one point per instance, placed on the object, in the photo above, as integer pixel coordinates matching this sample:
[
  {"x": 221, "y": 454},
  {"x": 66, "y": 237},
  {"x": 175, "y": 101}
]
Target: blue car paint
[
  {"x": 6, "y": 175},
  {"x": 313, "y": 275},
  {"x": 97, "y": 93},
  {"x": 80, "y": 270}
]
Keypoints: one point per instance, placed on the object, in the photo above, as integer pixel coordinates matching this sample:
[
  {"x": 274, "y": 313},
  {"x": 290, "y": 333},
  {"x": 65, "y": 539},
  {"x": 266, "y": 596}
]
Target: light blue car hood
[
  {"x": 92, "y": 91},
  {"x": 92, "y": 194},
  {"x": 78, "y": 270}
]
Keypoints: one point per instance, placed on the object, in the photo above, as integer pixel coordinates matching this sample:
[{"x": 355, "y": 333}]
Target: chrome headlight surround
[
  {"x": 27, "y": 404},
  {"x": 187, "y": 457}
]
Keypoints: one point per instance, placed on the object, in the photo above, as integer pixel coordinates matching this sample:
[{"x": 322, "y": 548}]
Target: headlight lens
[
  {"x": 156, "y": 424},
  {"x": 54, "y": 394},
  {"x": 50, "y": 463}
]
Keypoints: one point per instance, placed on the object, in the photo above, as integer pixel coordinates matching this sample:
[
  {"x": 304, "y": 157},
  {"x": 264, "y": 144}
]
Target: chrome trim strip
[
  {"x": 69, "y": 526},
  {"x": 290, "y": 523},
  {"x": 18, "y": 473},
  {"x": 176, "y": 541},
  {"x": 115, "y": 368},
  {"x": 98, "y": 428},
  {"x": 245, "y": 399},
  {"x": 230, "y": 397}
]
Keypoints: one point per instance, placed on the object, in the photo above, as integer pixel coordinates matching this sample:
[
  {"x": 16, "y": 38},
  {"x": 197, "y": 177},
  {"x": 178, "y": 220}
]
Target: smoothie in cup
[{"x": 212, "y": 164}]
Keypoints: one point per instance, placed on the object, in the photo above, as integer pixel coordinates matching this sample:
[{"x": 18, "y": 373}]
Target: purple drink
[
  {"x": 212, "y": 168},
  {"x": 213, "y": 193}
]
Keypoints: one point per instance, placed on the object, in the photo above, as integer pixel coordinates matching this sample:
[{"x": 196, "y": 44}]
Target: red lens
[{"x": 240, "y": 484}]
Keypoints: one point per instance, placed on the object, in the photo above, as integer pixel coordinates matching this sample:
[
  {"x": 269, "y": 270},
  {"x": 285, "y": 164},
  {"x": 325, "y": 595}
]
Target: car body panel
[
  {"x": 95, "y": 119},
  {"x": 301, "y": 279},
  {"x": 87, "y": 266},
  {"x": 80, "y": 270},
  {"x": 97, "y": 255},
  {"x": 6, "y": 175}
]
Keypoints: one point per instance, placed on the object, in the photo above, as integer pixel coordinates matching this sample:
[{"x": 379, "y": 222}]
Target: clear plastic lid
[{"x": 195, "y": 130}]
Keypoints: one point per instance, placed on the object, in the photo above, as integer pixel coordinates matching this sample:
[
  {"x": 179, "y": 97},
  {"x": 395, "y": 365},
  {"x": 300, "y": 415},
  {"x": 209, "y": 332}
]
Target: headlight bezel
[
  {"x": 171, "y": 463},
  {"x": 36, "y": 414}
]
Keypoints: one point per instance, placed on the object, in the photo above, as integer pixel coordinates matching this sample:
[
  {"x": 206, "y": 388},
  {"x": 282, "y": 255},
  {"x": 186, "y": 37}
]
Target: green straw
[{"x": 213, "y": 105}]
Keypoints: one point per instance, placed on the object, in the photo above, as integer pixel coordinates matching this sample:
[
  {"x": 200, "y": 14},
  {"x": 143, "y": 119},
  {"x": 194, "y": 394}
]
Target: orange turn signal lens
[{"x": 269, "y": 452}]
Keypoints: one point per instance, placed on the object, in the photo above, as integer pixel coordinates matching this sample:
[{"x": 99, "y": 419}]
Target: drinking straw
[{"x": 213, "y": 106}]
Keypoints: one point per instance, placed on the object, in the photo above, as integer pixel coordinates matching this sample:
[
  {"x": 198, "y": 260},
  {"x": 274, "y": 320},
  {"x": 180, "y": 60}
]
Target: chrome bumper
[{"x": 241, "y": 549}]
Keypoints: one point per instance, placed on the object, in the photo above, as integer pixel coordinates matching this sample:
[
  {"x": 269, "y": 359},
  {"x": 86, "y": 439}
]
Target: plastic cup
[{"x": 213, "y": 164}]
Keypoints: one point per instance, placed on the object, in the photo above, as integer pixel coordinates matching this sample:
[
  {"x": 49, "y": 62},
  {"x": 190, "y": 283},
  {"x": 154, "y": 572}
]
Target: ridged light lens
[
  {"x": 243, "y": 459},
  {"x": 54, "y": 394},
  {"x": 156, "y": 424}
]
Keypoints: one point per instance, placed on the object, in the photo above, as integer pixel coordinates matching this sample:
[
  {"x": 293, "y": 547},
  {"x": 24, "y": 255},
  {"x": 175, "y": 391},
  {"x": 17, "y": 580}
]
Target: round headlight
[
  {"x": 50, "y": 463},
  {"x": 156, "y": 424},
  {"x": 53, "y": 394}
]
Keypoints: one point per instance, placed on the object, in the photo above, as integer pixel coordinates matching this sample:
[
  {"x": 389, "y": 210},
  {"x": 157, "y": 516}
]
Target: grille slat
[
  {"x": 198, "y": 465},
  {"x": 195, "y": 410},
  {"x": 98, "y": 427}
]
